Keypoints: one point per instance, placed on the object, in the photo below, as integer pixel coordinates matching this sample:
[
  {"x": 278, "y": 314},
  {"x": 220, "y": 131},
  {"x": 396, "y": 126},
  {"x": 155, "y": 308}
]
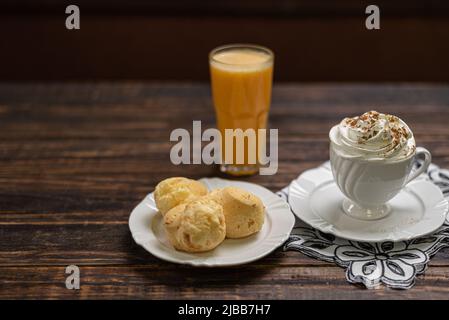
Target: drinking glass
[{"x": 241, "y": 77}]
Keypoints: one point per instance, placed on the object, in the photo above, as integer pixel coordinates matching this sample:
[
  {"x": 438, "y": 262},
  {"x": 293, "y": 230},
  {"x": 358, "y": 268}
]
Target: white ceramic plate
[
  {"x": 417, "y": 210},
  {"x": 147, "y": 230}
]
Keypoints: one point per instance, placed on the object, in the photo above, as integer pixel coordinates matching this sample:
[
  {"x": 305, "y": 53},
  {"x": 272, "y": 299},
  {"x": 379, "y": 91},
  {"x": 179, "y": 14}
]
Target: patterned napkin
[{"x": 394, "y": 264}]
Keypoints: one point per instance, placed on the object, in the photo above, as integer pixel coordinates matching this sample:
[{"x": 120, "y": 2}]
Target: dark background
[{"x": 314, "y": 40}]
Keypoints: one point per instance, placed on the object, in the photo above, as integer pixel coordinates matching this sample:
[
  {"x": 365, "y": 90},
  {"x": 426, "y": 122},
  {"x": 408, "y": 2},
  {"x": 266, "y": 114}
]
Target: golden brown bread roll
[
  {"x": 172, "y": 192},
  {"x": 200, "y": 227},
  {"x": 171, "y": 223},
  {"x": 244, "y": 212}
]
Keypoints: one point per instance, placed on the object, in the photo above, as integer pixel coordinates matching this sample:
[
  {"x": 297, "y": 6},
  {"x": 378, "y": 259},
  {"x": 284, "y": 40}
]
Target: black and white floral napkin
[{"x": 394, "y": 264}]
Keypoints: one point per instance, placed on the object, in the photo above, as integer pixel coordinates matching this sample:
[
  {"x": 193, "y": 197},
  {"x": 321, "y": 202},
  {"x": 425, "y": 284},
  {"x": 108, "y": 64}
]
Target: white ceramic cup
[{"x": 369, "y": 184}]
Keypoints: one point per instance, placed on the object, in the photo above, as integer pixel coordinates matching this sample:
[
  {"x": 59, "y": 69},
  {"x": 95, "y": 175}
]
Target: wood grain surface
[{"x": 76, "y": 158}]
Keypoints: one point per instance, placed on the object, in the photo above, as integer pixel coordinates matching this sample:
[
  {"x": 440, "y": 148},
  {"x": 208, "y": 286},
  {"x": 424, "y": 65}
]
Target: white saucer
[
  {"x": 147, "y": 230},
  {"x": 417, "y": 210}
]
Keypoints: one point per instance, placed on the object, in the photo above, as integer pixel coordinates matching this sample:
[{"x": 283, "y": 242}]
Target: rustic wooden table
[{"x": 76, "y": 158}]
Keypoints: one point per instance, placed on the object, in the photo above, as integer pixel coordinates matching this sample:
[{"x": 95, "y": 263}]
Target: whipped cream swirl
[{"x": 373, "y": 135}]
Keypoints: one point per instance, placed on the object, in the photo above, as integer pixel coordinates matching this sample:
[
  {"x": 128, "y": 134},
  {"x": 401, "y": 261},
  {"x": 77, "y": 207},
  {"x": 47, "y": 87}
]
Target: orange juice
[{"x": 241, "y": 87}]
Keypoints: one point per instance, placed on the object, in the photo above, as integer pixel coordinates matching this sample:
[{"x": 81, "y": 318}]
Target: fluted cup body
[{"x": 369, "y": 183}]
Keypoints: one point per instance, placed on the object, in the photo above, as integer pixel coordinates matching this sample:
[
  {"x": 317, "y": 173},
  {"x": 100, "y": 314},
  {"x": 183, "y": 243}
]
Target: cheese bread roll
[
  {"x": 201, "y": 227},
  {"x": 172, "y": 222},
  {"x": 244, "y": 212},
  {"x": 172, "y": 192}
]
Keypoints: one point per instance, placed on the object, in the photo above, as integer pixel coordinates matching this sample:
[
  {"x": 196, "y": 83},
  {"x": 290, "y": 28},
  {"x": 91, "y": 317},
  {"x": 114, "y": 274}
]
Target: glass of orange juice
[{"x": 241, "y": 76}]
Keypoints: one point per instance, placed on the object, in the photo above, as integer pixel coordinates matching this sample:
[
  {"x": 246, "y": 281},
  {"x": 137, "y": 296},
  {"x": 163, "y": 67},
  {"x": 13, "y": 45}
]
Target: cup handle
[{"x": 425, "y": 165}]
